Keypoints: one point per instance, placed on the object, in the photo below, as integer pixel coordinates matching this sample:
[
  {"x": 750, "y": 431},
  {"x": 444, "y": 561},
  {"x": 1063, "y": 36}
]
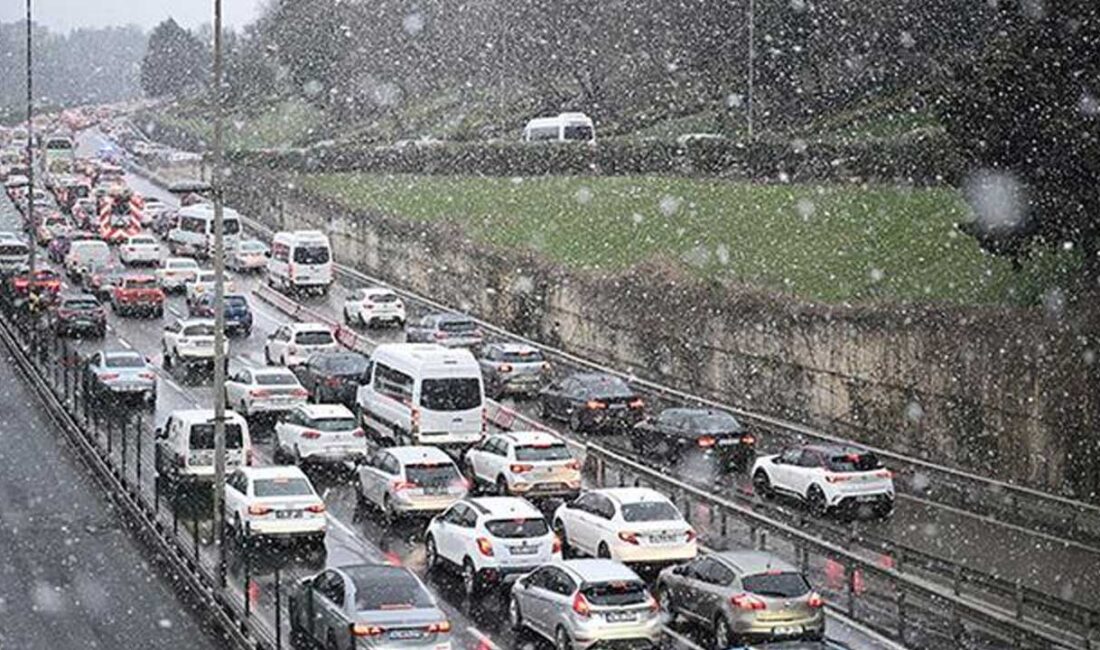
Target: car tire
[
  {"x": 815, "y": 501},
  {"x": 762, "y": 485},
  {"x": 566, "y": 547},
  {"x": 502, "y": 487},
  {"x": 471, "y": 583},
  {"x": 603, "y": 552},
  {"x": 562, "y": 640},
  {"x": 723, "y": 638},
  {"x": 884, "y": 509},
  {"x": 267, "y": 356},
  {"x": 166, "y": 358},
  {"x": 298, "y": 638},
  {"x": 575, "y": 424},
  {"x": 431, "y": 554},
  {"x": 665, "y": 602},
  {"x": 544, "y": 410},
  {"x": 515, "y": 616},
  {"x": 158, "y": 312}
]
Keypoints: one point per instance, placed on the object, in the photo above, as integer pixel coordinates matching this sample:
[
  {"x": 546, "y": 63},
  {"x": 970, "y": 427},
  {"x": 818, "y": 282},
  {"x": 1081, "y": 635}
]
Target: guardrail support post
[
  {"x": 725, "y": 524},
  {"x": 278, "y": 611},
  {"x": 247, "y": 576},
  {"x": 956, "y": 579},
  {"x": 1087, "y": 632},
  {"x": 1019, "y": 601},
  {"x": 137, "y": 453},
  {"x": 899, "y": 603},
  {"x": 195, "y": 538},
  {"x": 122, "y": 429},
  {"x": 763, "y": 540}
]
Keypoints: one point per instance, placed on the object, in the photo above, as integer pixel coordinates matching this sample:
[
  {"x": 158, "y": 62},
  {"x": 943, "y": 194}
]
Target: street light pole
[
  {"x": 752, "y": 60},
  {"x": 217, "y": 177},
  {"x": 30, "y": 157}
]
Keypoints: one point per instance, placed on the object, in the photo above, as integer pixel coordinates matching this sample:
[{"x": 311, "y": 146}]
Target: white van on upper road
[
  {"x": 423, "y": 394},
  {"x": 194, "y": 232},
  {"x": 300, "y": 259},
  {"x": 565, "y": 127}
]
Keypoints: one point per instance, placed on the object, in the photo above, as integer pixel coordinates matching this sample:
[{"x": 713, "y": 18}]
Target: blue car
[{"x": 238, "y": 313}]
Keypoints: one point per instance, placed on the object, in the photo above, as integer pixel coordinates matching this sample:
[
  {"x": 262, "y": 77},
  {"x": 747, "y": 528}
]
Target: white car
[
  {"x": 374, "y": 305},
  {"x": 319, "y": 433},
  {"x": 250, "y": 391},
  {"x": 292, "y": 344},
  {"x": 189, "y": 341},
  {"x": 139, "y": 249},
  {"x": 274, "y": 502},
  {"x": 631, "y": 525},
  {"x": 203, "y": 283},
  {"x": 490, "y": 540},
  {"x": 176, "y": 272},
  {"x": 249, "y": 255},
  {"x": 525, "y": 463},
  {"x": 407, "y": 480},
  {"x": 827, "y": 478}
]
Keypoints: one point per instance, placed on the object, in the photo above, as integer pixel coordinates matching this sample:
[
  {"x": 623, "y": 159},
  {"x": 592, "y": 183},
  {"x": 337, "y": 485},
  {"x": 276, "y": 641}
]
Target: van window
[
  {"x": 450, "y": 394},
  {"x": 280, "y": 252},
  {"x": 229, "y": 227},
  {"x": 578, "y": 132},
  {"x": 543, "y": 133},
  {"x": 313, "y": 338},
  {"x": 393, "y": 383},
  {"x": 193, "y": 224},
  {"x": 202, "y": 436},
  {"x": 311, "y": 255}
]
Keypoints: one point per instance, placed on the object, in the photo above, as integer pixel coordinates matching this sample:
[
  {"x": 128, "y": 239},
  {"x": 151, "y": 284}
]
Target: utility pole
[
  {"x": 752, "y": 60},
  {"x": 216, "y": 177},
  {"x": 30, "y": 158}
]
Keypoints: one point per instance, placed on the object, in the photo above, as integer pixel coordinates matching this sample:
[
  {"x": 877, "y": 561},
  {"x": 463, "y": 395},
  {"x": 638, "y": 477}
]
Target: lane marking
[
  {"x": 125, "y": 343},
  {"x": 484, "y": 638},
  {"x": 174, "y": 311}
]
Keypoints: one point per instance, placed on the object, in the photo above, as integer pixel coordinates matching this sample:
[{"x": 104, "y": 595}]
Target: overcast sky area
[{"x": 64, "y": 15}]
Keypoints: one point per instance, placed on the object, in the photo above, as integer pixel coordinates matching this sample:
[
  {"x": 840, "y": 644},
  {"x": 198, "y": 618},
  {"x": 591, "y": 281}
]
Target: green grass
[
  {"x": 278, "y": 125},
  {"x": 829, "y": 243}
]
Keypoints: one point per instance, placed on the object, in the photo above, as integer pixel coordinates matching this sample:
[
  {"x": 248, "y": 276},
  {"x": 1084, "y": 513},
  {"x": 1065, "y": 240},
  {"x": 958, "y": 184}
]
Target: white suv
[
  {"x": 490, "y": 540},
  {"x": 319, "y": 433},
  {"x": 292, "y": 344},
  {"x": 827, "y": 478},
  {"x": 631, "y": 525},
  {"x": 527, "y": 463},
  {"x": 139, "y": 249},
  {"x": 189, "y": 341},
  {"x": 176, "y": 272},
  {"x": 374, "y": 305},
  {"x": 274, "y": 502}
]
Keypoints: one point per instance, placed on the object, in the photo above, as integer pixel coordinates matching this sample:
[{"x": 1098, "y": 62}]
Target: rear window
[
  {"x": 282, "y": 487},
  {"x": 236, "y": 302},
  {"x": 451, "y": 394},
  {"x": 382, "y": 297},
  {"x": 80, "y": 305},
  {"x": 390, "y": 591},
  {"x": 527, "y": 356},
  {"x": 231, "y": 227},
  {"x": 431, "y": 474},
  {"x": 517, "y": 528},
  {"x": 608, "y": 387},
  {"x": 276, "y": 380},
  {"x": 140, "y": 283},
  {"x": 192, "y": 224},
  {"x": 853, "y": 463},
  {"x": 650, "y": 511},
  {"x": 313, "y": 338},
  {"x": 202, "y": 436},
  {"x": 347, "y": 365},
  {"x": 14, "y": 249},
  {"x": 615, "y": 593},
  {"x": 252, "y": 247},
  {"x": 198, "y": 330},
  {"x": 453, "y": 326},
  {"x": 333, "y": 424},
  {"x": 555, "y": 451},
  {"x": 127, "y": 361},
  {"x": 142, "y": 241},
  {"x": 311, "y": 255},
  {"x": 778, "y": 585},
  {"x": 714, "y": 423}
]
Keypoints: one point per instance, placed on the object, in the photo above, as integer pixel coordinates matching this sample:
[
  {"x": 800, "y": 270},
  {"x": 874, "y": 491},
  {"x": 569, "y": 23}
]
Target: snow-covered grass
[
  {"x": 278, "y": 125},
  {"x": 830, "y": 243}
]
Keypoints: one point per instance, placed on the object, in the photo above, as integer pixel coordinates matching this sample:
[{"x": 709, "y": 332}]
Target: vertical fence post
[
  {"x": 1019, "y": 601},
  {"x": 247, "y": 574},
  {"x": 138, "y": 430},
  {"x": 899, "y": 603},
  {"x": 195, "y": 537},
  {"x": 122, "y": 441},
  {"x": 763, "y": 540},
  {"x": 110, "y": 438},
  {"x": 851, "y": 588},
  {"x": 278, "y": 610},
  {"x": 725, "y": 523}
]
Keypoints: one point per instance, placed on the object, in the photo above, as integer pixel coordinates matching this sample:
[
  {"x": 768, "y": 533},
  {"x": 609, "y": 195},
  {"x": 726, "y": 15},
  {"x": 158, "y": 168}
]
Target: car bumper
[
  {"x": 757, "y": 630},
  {"x": 80, "y": 325},
  {"x": 288, "y": 528},
  {"x": 423, "y": 504},
  {"x": 449, "y": 439},
  {"x": 565, "y": 490},
  {"x": 275, "y": 407},
  {"x": 654, "y": 555},
  {"x": 856, "y": 501},
  {"x": 123, "y": 390},
  {"x": 644, "y": 634},
  {"x": 334, "y": 454}
]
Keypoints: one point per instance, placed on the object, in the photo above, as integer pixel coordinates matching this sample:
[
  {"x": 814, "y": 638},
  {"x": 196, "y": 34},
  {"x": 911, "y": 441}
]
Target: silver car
[
  {"x": 366, "y": 606},
  {"x": 121, "y": 374},
  {"x": 450, "y": 330},
  {"x": 583, "y": 603},
  {"x": 407, "y": 481},
  {"x": 744, "y": 596},
  {"x": 510, "y": 369}
]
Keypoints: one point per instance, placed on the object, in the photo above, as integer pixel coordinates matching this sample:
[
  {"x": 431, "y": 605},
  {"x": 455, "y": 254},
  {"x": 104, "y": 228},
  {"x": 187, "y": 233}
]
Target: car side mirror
[
  {"x": 160, "y": 433},
  {"x": 267, "y": 253}
]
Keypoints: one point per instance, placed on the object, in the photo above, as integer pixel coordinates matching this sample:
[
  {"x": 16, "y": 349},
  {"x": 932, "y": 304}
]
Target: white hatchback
[
  {"x": 410, "y": 480},
  {"x": 139, "y": 249},
  {"x": 176, "y": 272},
  {"x": 319, "y": 433},
  {"x": 372, "y": 306},
  {"x": 274, "y": 502},
  {"x": 292, "y": 344}
]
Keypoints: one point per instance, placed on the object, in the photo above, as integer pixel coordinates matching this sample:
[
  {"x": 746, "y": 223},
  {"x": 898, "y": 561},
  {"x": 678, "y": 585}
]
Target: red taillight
[
  {"x": 414, "y": 421},
  {"x": 259, "y": 392},
  {"x": 690, "y": 535},
  {"x": 316, "y": 508},
  {"x": 109, "y": 376},
  {"x": 654, "y": 606},
  {"x": 557, "y": 545},
  {"x": 581, "y": 606},
  {"x": 595, "y": 405},
  {"x": 311, "y": 435},
  {"x": 816, "y": 601},
  {"x": 258, "y": 510},
  {"x": 358, "y": 433},
  {"x": 20, "y": 283},
  {"x": 637, "y": 403},
  {"x": 398, "y": 486},
  {"x": 505, "y": 367},
  {"x": 884, "y": 474},
  {"x": 441, "y": 627},
  {"x": 748, "y": 440},
  {"x": 520, "y": 469},
  {"x": 573, "y": 464},
  {"x": 837, "y": 478},
  {"x": 248, "y": 457},
  {"x": 440, "y": 335},
  {"x": 485, "y": 547},
  {"x": 628, "y": 537},
  {"x": 747, "y": 602},
  {"x": 333, "y": 382},
  {"x": 300, "y": 392},
  {"x": 366, "y": 630},
  {"x": 705, "y": 441}
]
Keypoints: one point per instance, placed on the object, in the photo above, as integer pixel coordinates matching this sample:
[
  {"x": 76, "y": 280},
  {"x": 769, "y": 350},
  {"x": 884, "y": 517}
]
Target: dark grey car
[
  {"x": 510, "y": 368},
  {"x": 679, "y": 432},
  {"x": 366, "y": 606}
]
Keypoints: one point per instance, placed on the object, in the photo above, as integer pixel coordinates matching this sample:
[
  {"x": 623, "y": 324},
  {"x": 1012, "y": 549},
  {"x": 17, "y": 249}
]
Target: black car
[
  {"x": 80, "y": 314},
  {"x": 591, "y": 402},
  {"x": 333, "y": 377},
  {"x": 674, "y": 433}
]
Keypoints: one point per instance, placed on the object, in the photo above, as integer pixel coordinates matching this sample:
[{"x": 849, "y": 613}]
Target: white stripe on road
[{"x": 125, "y": 343}]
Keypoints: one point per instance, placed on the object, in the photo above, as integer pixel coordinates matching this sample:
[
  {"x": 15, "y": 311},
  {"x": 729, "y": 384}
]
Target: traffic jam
[{"x": 504, "y": 519}]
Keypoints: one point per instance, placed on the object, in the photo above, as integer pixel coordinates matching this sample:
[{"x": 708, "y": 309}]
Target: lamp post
[
  {"x": 752, "y": 61},
  {"x": 216, "y": 178},
  {"x": 30, "y": 157}
]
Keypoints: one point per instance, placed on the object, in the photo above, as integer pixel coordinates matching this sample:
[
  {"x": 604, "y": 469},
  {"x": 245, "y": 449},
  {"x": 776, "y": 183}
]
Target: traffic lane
[{"x": 68, "y": 575}]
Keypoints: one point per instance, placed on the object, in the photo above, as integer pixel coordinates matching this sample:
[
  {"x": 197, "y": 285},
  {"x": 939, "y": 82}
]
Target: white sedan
[
  {"x": 631, "y": 525},
  {"x": 319, "y": 433},
  {"x": 250, "y": 391},
  {"x": 274, "y": 502},
  {"x": 177, "y": 272},
  {"x": 139, "y": 249},
  {"x": 248, "y": 255}
]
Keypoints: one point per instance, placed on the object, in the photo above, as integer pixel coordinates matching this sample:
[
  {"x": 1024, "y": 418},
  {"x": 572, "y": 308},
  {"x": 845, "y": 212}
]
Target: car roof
[
  {"x": 632, "y": 495},
  {"x": 417, "y": 453},
  {"x": 377, "y": 290},
  {"x": 833, "y": 450},
  {"x": 272, "y": 471},
  {"x": 176, "y": 260},
  {"x": 310, "y": 327},
  {"x": 272, "y": 370},
  {"x": 78, "y": 296},
  {"x": 694, "y": 411},
  {"x": 504, "y": 507},
  {"x": 532, "y": 437},
  {"x": 595, "y": 378},
  {"x": 599, "y": 570},
  {"x": 449, "y": 317},
  {"x": 368, "y": 576},
  {"x": 751, "y": 562},
  {"x": 204, "y": 415},
  {"x": 196, "y": 321},
  {"x": 326, "y": 411},
  {"x": 121, "y": 353}
]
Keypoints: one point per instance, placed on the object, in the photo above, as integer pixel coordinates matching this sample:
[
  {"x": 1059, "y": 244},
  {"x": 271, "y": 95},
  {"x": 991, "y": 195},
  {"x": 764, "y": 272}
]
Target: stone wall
[{"x": 1002, "y": 392}]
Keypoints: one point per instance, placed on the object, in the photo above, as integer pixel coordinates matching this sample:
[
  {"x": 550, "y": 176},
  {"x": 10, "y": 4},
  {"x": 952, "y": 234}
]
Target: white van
[
  {"x": 14, "y": 253},
  {"x": 86, "y": 254},
  {"x": 194, "y": 232},
  {"x": 300, "y": 259},
  {"x": 185, "y": 445},
  {"x": 423, "y": 394},
  {"x": 565, "y": 127}
]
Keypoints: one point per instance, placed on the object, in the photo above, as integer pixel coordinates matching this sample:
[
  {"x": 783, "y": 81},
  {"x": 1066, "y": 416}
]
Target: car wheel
[
  {"x": 431, "y": 554},
  {"x": 761, "y": 484},
  {"x": 815, "y": 500},
  {"x": 166, "y": 358},
  {"x": 575, "y": 424},
  {"x": 722, "y": 637},
  {"x": 515, "y": 617},
  {"x": 544, "y": 410},
  {"x": 884, "y": 508},
  {"x": 664, "y": 601},
  {"x": 502, "y": 486},
  {"x": 267, "y": 356},
  {"x": 566, "y": 548},
  {"x": 238, "y": 532},
  {"x": 603, "y": 551},
  {"x": 561, "y": 639},
  {"x": 471, "y": 583},
  {"x": 298, "y": 638}
]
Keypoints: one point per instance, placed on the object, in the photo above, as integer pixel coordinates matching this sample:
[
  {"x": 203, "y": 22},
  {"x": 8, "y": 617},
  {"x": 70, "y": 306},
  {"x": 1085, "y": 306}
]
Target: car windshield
[
  {"x": 81, "y": 304},
  {"x": 451, "y": 394},
  {"x": 650, "y": 511},
  {"x": 615, "y": 593},
  {"x": 199, "y": 330},
  {"x": 522, "y": 356},
  {"x": 202, "y": 436},
  {"x": 282, "y": 487},
  {"x": 517, "y": 528},
  {"x": 125, "y": 361},
  {"x": 389, "y": 590},
  {"x": 555, "y": 451},
  {"x": 311, "y": 254},
  {"x": 382, "y": 297},
  {"x": 313, "y": 338},
  {"x": 457, "y": 326},
  {"x": 776, "y": 584},
  {"x": 140, "y": 283},
  {"x": 275, "y": 379},
  {"x": 853, "y": 462},
  {"x": 333, "y": 424},
  {"x": 231, "y": 226},
  {"x": 432, "y": 474},
  {"x": 252, "y": 247}
]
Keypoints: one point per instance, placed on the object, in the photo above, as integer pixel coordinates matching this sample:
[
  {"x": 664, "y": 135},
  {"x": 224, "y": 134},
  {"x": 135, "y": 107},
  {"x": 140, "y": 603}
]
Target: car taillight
[
  {"x": 484, "y": 546},
  {"x": 690, "y": 535},
  {"x": 248, "y": 457},
  {"x": 581, "y": 606},
  {"x": 705, "y": 441},
  {"x": 316, "y": 508},
  {"x": 556, "y": 548},
  {"x": 747, "y": 602},
  {"x": 441, "y": 627},
  {"x": 146, "y": 375},
  {"x": 311, "y": 435},
  {"x": 65, "y": 313},
  {"x": 654, "y": 606},
  {"x": 884, "y": 474},
  {"x": 259, "y": 392},
  {"x": 505, "y": 367},
  {"x": 109, "y": 376},
  {"x": 573, "y": 464},
  {"x": 748, "y": 440},
  {"x": 637, "y": 403},
  {"x": 293, "y": 349},
  {"x": 366, "y": 630},
  {"x": 440, "y": 335},
  {"x": 520, "y": 468},
  {"x": 816, "y": 601},
  {"x": 358, "y": 433},
  {"x": 300, "y": 392},
  {"x": 595, "y": 405},
  {"x": 414, "y": 420},
  {"x": 333, "y": 382},
  {"x": 628, "y": 537},
  {"x": 398, "y": 486},
  {"x": 837, "y": 478},
  {"x": 258, "y": 510}
]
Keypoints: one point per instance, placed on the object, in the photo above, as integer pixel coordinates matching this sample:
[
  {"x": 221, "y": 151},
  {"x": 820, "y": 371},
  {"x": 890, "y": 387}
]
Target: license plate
[
  {"x": 787, "y": 630},
  {"x": 728, "y": 442},
  {"x": 435, "y": 490},
  {"x": 620, "y": 617},
  {"x": 406, "y": 634},
  {"x": 523, "y": 550},
  {"x": 867, "y": 499},
  {"x": 288, "y": 514},
  {"x": 662, "y": 539}
]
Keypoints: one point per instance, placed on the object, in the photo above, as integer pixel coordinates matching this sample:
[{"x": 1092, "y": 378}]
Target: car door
[
  {"x": 602, "y": 526},
  {"x": 236, "y": 386},
  {"x": 679, "y": 585},
  {"x": 328, "y": 605},
  {"x": 783, "y": 467},
  {"x": 276, "y": 343},
  {"x": 353, "y": 304},
  {"x": 459, "y": 530},
  {"x": 492, "y": 459},
  {"x": 710, "y": 589},
  {"x": 236, "y": 494},
  {"x": 559, "y": 596},
  {"x": 559, "y": 402},
  {"x": 582, "y": 528},
  {"x": 307, "y": 374},
  {"x": 476, "y": 458},
  {"x": 91, "y": 369},
  {"x": 803, "y": 474},
  {"x": 287, "y": 430}
]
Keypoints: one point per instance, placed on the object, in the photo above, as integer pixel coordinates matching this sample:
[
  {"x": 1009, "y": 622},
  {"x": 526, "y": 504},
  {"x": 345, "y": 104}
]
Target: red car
[
  {"x": 138, "y": 293},
  {"x": 46, "y": 283}
]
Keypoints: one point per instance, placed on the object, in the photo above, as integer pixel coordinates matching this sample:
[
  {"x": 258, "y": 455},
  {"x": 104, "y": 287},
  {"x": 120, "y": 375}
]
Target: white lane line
[
  {"x": 179, "y": 389},
  {"x": 484, "y": 638},
  {"x": 174, "y": 311},
  {"x": 125, "y": 343}
]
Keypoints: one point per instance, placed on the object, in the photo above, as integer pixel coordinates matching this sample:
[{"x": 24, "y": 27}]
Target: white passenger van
[
  {"x": 194, "y": 232},
  {"x": 565, "y": 127},
  {"x": 14, "y": 253},
  {"x": 423, "y": 394},
  {"x": 300, "y": 259},
  {"x": 185, "y": 445}
]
